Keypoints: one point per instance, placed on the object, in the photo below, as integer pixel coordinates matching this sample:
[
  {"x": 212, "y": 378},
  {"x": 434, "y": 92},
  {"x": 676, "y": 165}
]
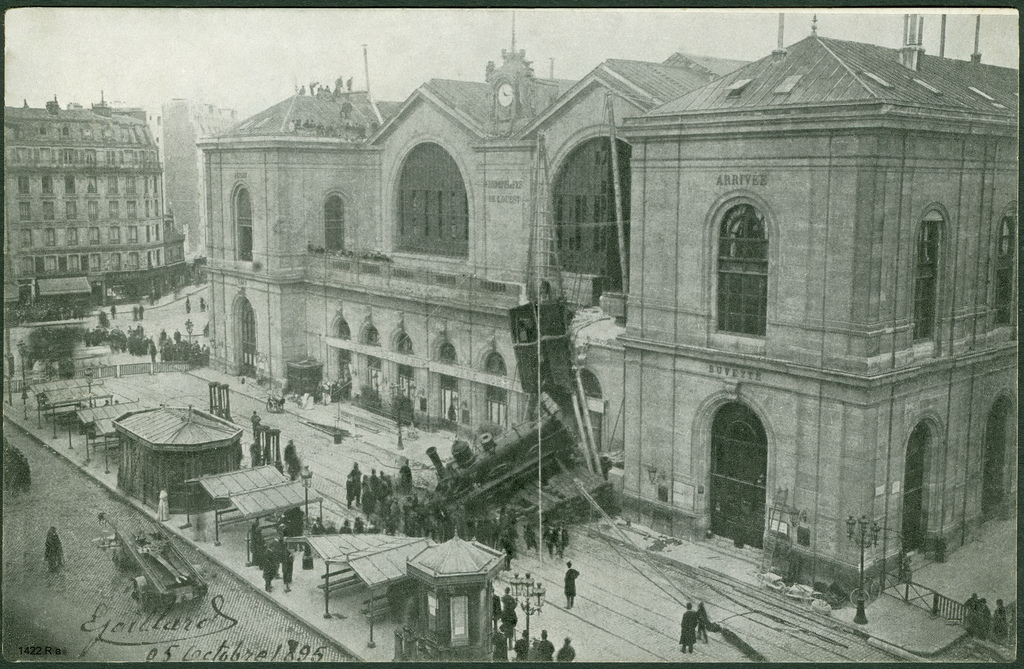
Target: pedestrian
[
  {"x": 142, "y": 310},
  {"x": 550, "y": 540},
  {"x": 703, "y": 621},
  {"x": 405, "y": 477},
  {"x": 570, "y": 585},
  {"x": 971, "y": 615},
  {"x": 984, "y": 619},
  {"x": 254, "y": 454},
  {"x": 270, "y": 562},
  {"x": 688, "y": 629},
  {"x": 544, "y": 650},
  {"x": 163, "y": 512},
  {"x": 566, "y": 653},
  {"x": 999, "y": 625},
  {"x": 495, "y": 610},
  {"x": 563, "y": 541},
  {"x": 287, "y": 566},
  {"x": 358, "y": 526},
  {"x": 256, "y": 546},
  {"x": 188, "y": 306},
  {"x": 522, "y": 647},
  {"x": 113, "y": 312},
  {"x": 530, "y": 536},
  {"x": 54, "y": 554},
  {"x": 152, "y": 352},
  {"x": 255, "y": 419},
  {"x": 509, "y": 618},
  {"x": 500, "y": 647},
  {"x": 346, "y": 527},
  {"x": 202, "y": 305},
  {"x": 509, "y": 546},
  {"x": 291, "y": 458}
]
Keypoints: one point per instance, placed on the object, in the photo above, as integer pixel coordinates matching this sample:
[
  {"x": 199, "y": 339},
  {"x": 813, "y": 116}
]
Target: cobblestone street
[{"x": 80, "y": 609}]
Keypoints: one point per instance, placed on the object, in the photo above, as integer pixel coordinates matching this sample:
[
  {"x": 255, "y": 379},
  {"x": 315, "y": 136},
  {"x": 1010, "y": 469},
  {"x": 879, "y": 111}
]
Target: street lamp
[
  {"x": 22, "y": 346},
  {"x": 529, "y": 593},
  {"x": 864, "y": 532},
  {"x": 307, "y": 477},
  {"x": 188, "y": 328}
]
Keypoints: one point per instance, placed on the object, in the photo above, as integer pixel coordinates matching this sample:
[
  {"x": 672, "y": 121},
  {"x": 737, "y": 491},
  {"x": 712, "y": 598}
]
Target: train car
[{"x": 164, "y": 576}]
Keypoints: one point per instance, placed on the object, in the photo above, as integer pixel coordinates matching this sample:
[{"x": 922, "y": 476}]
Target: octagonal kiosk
[{"x": 451, "y": 610}]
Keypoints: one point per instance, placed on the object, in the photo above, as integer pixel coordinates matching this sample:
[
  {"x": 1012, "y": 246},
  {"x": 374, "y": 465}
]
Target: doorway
[{"x": 739, "y": 469}]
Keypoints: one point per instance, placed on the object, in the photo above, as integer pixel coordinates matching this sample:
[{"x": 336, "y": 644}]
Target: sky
[{"x": 250, "y": 59}]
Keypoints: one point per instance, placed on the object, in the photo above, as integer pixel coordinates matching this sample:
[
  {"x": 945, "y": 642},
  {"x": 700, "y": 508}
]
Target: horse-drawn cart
[{"x": 166, "y": 578}]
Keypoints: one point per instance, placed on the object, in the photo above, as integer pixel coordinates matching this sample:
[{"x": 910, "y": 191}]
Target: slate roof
[
  {"x": 834, "y": 71},
  {"x": 455, "y": 557},
  {"x": 324, "y": 110},
  {"x": 221, "y": 486},
  {"x": 658, "y": 80},
  {"x": 473, "y": 98},
  {"x": 716, "y": 66},
  {"x": 177, "y": 426}
]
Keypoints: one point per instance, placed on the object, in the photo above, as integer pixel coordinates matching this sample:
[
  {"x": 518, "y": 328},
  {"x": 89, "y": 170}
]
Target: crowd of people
[
  {"x": 984, "y": 623},
  {"x": 42, "y": 313},
  {"x": 17, "y": 475},
  {"x": 503, "y": 632}
]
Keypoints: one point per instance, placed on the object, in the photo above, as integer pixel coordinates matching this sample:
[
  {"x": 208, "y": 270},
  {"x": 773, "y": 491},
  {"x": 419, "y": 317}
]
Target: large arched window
[
  {"x": 433, "y": 210},
  {"x": 370, "y": 336},
  {"x": 243, "y": 224},
  {"x": 334, "y": 223},
  {"x": 446, "y": 353},
  {"x": 583, "y": 195},
  {"x": 926, "y": 275},
  {"x": 341, "y": 330},
  {"x": 495, "y": 364},
  {"x": 743, "y": 271},
  {"x": 403, "y": 344},
  {"x": 1006, "y": 244}
]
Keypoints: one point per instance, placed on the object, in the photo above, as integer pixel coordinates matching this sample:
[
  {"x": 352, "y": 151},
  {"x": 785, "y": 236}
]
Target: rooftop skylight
[
  {"x": 787, "y": 84},
  {"x": 981, "y": 93},
  {"x": 928, "y": 86},
  {"x": 878, "y": 79},
  {"x": 737, "y": 87}
]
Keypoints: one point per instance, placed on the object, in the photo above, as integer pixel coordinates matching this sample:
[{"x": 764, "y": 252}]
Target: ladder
[{"x": 544, "y": 265}]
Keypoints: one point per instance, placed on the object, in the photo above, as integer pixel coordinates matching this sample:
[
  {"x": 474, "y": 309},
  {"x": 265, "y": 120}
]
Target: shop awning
[
  {"x": 70, "y": 285},
  {"x": 222, "y": 486},
  {"x": 376, "y": 559},
  {"x": 274, "y": 499}
]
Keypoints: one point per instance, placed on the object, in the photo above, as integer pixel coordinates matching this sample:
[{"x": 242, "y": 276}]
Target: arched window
[
  {"x": 926, "y": 275},
  {"x": 1005, "y": 247},
  {"x": 591, "y": 386},
  {"x": 583, "y": 195},
  {"x": 370, "y": 336},
  {"x": 403, "y": 344},
  {"x": 243, "y": 223},
  {"x": 743, "y": 271},
  {"x": 495, "y": 364},
  {"x": 341, "y": 330},
  {"x": 433, "y": 210},
  {"x": 447, "y": 353},
  {"x": 334, "y": 223}
]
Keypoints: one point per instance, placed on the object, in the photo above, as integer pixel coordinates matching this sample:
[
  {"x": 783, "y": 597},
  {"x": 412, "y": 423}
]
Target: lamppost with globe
[
  {"x": 864, "y": 532},
  {"x": 529, "y": 593}
]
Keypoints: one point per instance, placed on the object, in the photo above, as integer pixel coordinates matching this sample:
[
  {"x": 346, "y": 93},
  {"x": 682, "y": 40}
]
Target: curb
[{"x": 114, "y": 492}]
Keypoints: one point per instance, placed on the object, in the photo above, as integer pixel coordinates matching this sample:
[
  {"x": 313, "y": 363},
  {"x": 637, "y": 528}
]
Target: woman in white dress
[{"x": 163, "y": 511}]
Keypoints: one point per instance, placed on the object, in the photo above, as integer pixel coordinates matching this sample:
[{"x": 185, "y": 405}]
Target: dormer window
[
  {"x": 787, "y": 84},
  {"x": 877, "y": 79},
  {"x": 981, "y": 93},
  {"x": 737, "y": 87},
  {"x": 928, "y": 86}
]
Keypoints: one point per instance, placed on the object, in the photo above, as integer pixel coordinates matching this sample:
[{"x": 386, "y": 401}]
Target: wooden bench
[
  {"x": 343, "y": 578},
  {"x": 376, "y": 607}
]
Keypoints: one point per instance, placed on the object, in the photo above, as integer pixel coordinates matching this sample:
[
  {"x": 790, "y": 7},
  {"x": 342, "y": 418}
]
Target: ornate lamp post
[
  {"x": 22, "y": 347},
  {"x": 307, "y": 477},
  {"x": 529, "y": 593},
  {"x": 864, "y": 532},
  {"x": 188, "y": 328}
]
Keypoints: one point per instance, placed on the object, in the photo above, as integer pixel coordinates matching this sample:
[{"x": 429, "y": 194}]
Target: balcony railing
[{"x": 418, "y": 282}]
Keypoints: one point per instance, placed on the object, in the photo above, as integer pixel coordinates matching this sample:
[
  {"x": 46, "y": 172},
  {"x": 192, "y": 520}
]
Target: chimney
[
  {"x": 942, "y": 38},
  {"x": 53, "y": 106},
  {"x": 552, "y": 68},
  {"x": 976, "y": 56},
  {"x": 911, "y": 51},
  {"x": 780, "y": 51}
]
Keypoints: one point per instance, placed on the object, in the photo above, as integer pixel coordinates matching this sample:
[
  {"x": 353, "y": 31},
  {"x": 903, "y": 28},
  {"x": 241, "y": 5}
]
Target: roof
[
  {"x": 65, "y": 397},
  {"x": 818, "y": 70},
  {"x": 61, "y": 384},
  {"x": 457, "y": 557},
  {"x": 348, "y": 116},
  {"x": 274, "y": 499},
  {"x": 716, "y": 66},
  {"x": 388, "y": 564},
  {"x": 63, "y": 115},
  {"x": 69, "y": 285},
  {"x": 469, "y": 97},
  {"x": 659, "y": 81},
  {"x": 387, "y": 109},
  {"x": 224, "y": 485},
  {"x": 109, "y": 411},
  {"x": 177, "y": 426}
]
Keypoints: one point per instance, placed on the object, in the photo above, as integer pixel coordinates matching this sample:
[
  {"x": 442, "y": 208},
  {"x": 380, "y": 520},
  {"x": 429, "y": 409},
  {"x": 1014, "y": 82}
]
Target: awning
[
  {"x": 222, "y": 486},
  {"x": 102, "y": 417},
  {"x": 70, "y": 397},
  {"x": 11, "y": 292},
  {"x": 275, "y": 499},
  {"x": 69, "y": 285},
  {"x": 62, "y": 384},
  {"x": 376, "y": 559}
]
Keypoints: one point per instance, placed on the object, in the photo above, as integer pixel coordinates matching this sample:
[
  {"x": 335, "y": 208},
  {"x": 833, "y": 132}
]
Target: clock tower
[{"x": 513, "y": 85}]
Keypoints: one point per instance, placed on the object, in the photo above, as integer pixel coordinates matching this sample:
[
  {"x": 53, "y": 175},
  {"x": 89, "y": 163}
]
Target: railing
[
  {"x": 135, "y": 368},
  {"x": 924, "y": 598}
]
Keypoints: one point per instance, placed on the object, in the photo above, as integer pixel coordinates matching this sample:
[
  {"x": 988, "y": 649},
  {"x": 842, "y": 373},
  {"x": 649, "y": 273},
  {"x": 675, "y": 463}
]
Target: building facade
[
  {"x": 823, "y": 303},
  {"x": 84, "y": 205},
  {"x": 181, "y": 124}
]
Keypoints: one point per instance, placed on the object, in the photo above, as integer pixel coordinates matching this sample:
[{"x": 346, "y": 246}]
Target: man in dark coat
[
  {"x": 530, "y": 536},
  {"x": 509, "y": 618},
  {"x": 287, "y": 566},
  {"x": 405, "y": 477},
  {"x": 545, "y": 650},
  {"x": 495, "y": 610},
  {"x": 971, "y": 615},
  {"x": 563, "y": 541},
  {"x": 688, "y": 632},
  {"x": 271, "y": 559},
  {"x": 353, "y": 484},
  {"x": 500, "y": 648},
  {"x": 566, "y": 653},
  {"x": 984, "y": 618},
  {"x": 522, "y": 647},
  {"x": 54, "y": 554},
  {"x": 256, "y": 546},
  {"x": 999, "y": 625},
  {"x": 570, "y": 585},
  {"x": 550, "y": 540}
]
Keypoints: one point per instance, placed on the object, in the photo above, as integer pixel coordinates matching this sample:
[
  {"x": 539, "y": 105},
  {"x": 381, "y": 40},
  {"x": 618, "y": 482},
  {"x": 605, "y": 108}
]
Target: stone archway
[
  {"x": 993, "y": 481},
  {"x": 915, "y": 520},
  {"x": 245, "y": 324},
  {"x": 739, "y": 471}
]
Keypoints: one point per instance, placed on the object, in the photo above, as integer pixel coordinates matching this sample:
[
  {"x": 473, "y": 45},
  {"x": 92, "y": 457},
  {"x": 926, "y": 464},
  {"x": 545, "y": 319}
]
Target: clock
[{"x": 505, "y": 95}]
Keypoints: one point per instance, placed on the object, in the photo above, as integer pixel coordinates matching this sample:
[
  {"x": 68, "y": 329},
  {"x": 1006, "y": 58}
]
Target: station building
[{"x": 815, "y": 316}]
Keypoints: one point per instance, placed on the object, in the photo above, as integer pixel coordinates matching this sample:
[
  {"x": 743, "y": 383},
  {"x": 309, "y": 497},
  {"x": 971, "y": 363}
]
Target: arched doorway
[
  {"x": 583, "y": 195},
  {"x": 914, "y": 521},
  {"x": 595, "y": 404},
  {"x": 344, "y": 359},
  {"x": 739, "y": 468},
  {"x": 247, "y": 338},
  {"x": 993, "y": 484}
]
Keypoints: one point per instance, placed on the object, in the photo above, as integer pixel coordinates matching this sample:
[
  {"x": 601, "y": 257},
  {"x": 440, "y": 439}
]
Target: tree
[{"x": 55, "y": 345}]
